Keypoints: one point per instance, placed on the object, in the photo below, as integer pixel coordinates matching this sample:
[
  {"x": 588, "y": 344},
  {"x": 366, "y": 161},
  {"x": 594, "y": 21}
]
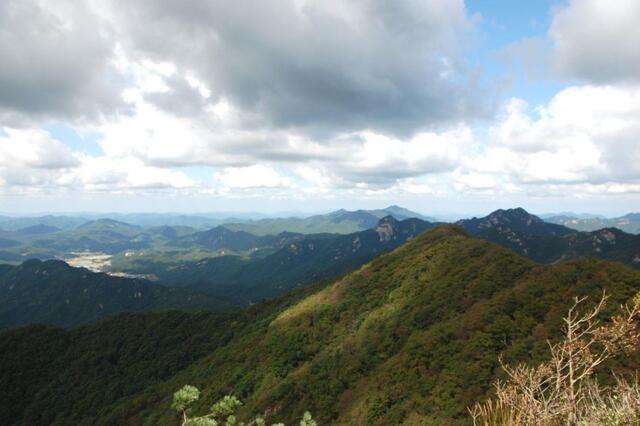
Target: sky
[{"x": 442, "y": 106}]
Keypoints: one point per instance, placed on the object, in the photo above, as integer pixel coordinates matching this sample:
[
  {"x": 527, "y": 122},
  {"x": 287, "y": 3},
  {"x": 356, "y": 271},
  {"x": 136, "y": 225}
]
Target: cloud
[
  {"x": 382, "y": 160},
  {"x": 359, "y": 92},
  {"x": 32, "y": 161},
  {"x": 55, "y": 63},
  {"x": 124, "y": 174},
  {"x": 251, "y": 177},
  {"x": 214, "y": 139},
  {"x": 598, "y": 40},
  {"x": 585, "y": 139},
  {"x": 36, "y": 149},
  {"x": 319, "y": 67}
]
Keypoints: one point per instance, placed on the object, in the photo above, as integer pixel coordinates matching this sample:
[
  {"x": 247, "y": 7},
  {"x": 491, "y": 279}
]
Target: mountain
[
  {"x": 222, "y": 238},
  {"x": 547, "y": 216},
  {"x": 109, "y": 227},
  {"x": 152, "y": 220},
  {"x": 299, "y": 262},
  {"x": 337, "y": 222},
  {"x": 171, "y": 232},
  {"x": 53, "y": 292},
  {"x": 412, "y": 337},
  {"x": 400, "y": 213},
  {"x": 102, "y": 235},
  {"x": 62, "y": 222},
  {"x": 38, "y": 229},
  {"x": 515, "y": 221},
  {"x": 628, "y": 223},
  {"x": 549, "y": 243}
]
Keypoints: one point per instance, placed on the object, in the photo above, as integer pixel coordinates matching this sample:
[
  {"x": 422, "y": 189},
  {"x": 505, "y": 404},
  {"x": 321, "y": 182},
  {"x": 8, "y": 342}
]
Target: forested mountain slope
[
  {"x": 411, "y": 338},
  {"x": 52, "y": 292}
]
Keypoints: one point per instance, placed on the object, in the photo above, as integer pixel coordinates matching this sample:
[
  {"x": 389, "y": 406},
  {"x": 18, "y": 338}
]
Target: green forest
[{"x": 413, "y": 337}]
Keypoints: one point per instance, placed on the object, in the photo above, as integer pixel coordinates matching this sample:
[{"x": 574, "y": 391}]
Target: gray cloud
[
  {"x": 54, "y": 64},
  {"x": 319, "y": 66},
  {"x": 180, "y": 99}
]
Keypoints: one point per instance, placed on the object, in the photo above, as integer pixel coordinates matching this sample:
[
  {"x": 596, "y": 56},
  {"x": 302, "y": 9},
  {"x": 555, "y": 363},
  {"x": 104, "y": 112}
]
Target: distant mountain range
[
  {"x": 412, "y": 337},
  {"x": 52, "y": 292},
  {"x": 221, "y": 237},
  {"x": 629, "y": 223},
  {"x": 61, "y": 222},
  {"x": 245, "y": 268},
  {"x": 152, "y": 220},
  {"x": 299, "y": 262},
  {"x": 338, "y": 222},
  {"x": 60, "y": 237}
]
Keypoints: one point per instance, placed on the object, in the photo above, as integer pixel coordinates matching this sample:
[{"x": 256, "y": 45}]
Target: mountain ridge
[
  {"x": 412, "y": 337},
  {"x": 549, "y": 243}
]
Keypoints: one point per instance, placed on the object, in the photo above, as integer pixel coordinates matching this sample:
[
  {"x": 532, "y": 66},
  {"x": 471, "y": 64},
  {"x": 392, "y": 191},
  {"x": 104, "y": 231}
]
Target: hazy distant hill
[
  {"x": 149, "y": 220},
  {"x": 628, "y": 223},
  {"x": 61, "y": 222},
  {"x": 53, "y": 292},
  {"x": 39, "y": 229},
  {"x": 411, "y": 338},
  {"x": 221, "y": 237},
  {"x": 102, "y": 235},
  {"x": 337, "y": 222}
]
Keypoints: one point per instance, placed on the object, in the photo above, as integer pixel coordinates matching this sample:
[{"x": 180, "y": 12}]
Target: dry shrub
[{"x": 563, "y": 390}]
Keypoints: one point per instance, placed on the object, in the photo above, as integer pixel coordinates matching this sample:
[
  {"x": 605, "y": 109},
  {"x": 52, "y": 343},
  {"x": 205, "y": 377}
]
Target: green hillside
[
  {"x": 54, "y": 293},
  {"x": 411, "y": 338}
]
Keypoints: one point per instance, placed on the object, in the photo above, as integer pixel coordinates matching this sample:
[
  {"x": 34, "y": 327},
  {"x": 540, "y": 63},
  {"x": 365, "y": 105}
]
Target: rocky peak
[
  {"x": 517, "y": 215},
  {"x": 387, "y": 228}
]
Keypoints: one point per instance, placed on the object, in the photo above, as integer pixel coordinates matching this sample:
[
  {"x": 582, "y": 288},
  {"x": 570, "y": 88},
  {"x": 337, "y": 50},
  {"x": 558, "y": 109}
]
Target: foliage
[
  {"x": 185, "y": 397},
  {"x": 224, "y": 408},
  {"x": 564, "y": 390}
]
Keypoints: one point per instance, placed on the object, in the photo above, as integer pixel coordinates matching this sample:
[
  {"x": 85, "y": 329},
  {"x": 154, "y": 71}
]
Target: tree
[
  {"x": 223, "y": 409},
  {"x": 563, "y": 390}
]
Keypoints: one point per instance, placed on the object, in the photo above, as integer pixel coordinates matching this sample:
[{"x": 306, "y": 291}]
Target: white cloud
[
  {"x": 31, "y": 160},
  {"x": 22, "y": 148},
  {"x": 598, "y": 40},
  {"x": 123, "y": 174},
  {"x": 382, "y": 158},
  {"x": 586, "y": 138},
  {"x": 256, "y": 176}
]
